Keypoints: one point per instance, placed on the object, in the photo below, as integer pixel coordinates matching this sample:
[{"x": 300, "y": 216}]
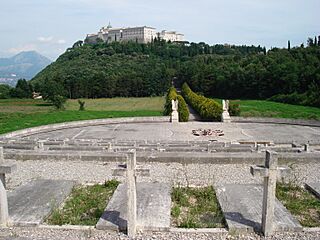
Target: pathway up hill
[{"x": 193, "y": 115}]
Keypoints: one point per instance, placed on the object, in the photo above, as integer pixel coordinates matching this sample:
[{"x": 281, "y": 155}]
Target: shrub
[
  {"x": 234, "y": 109},
  {"x": 183, "y": 109},
  {"x": 207, "y": 108},
  {"x": 171, "y": 95},
  {"x": 293, "y": 98},
  {"x": 58, "y": 101},
  {"x": 81, "y": 105}
]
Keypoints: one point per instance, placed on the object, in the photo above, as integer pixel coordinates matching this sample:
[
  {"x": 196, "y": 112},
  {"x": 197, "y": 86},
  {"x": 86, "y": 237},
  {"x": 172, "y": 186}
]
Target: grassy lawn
[
  {"x": 196, "y": 208},
  {"x": 259, "y": 108},
  {"x": 18, "y": 114},
  {"x": 302, "y": 204},
  {"x": 84, "y": 206}
]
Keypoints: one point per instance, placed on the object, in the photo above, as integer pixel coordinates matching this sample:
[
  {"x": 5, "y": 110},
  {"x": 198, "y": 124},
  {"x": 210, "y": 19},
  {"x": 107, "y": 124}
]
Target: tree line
[{"x": 132, "y": 69}]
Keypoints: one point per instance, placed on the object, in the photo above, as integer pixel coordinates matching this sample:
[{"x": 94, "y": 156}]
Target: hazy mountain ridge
[{"x": 23, "y": 65}]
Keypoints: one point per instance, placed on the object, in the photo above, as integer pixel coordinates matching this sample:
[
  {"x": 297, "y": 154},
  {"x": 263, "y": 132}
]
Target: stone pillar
[
  {"x": 269, "y": 192},
  {"x": 4, "y": 213},
  {"x": 1, "y": 155},
  {"x": 2, "y": 174},
  {"x": 40, "y": 144},
  {"x": 131, "y": 194},
  {"x": 110, "y": 147}
]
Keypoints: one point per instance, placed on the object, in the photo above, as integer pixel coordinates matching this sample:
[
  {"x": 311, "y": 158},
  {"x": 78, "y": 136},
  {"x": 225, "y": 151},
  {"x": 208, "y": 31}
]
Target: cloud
[
  {"x": 61, "y": 41},
  {"x": 45, "y": 39},
  {"x": 27, "y": 47}
]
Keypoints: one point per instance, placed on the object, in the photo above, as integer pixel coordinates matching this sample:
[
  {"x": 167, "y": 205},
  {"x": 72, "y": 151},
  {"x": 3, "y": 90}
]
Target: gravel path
[
  {"x": 93, "y": 234},
  {"x": 173, "y": 173}
]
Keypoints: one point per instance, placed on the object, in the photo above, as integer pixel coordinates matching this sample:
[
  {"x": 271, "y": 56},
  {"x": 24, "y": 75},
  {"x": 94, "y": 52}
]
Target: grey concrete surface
[
  {"x": 181, "y": 132},
  {"x": 302, "y": 122},
  {"x": 242, "y": 208},
  {"x": 153, "y": 208},
  {"x": 30, "y": 203},
  {"x": 314, "y": 188}
]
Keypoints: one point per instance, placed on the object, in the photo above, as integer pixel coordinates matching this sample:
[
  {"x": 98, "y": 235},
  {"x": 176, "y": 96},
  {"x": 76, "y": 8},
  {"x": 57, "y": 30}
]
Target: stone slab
[
  {"x": 314, "y": 188},
  {"x": 30, "y": 203},
  {"x": 242, "y": 208},
  {"x": 153, "y": 208},
  {"x": 8, "y": 167}
]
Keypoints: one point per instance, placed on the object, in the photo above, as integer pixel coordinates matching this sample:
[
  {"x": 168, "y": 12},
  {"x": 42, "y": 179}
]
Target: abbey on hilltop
[{"x": 138, "y": 34}]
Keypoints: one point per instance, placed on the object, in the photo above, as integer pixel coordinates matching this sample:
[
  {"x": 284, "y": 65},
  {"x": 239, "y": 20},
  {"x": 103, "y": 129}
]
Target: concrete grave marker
[
  {"x": 131, "y": 174},
  {"x": 132, "y": 193},
  {"x": 270, "y": 173},
  {"x": 4, "y": 214},
  {"x": 137, "y": 206},
  {"x": 4, "y": 168}
]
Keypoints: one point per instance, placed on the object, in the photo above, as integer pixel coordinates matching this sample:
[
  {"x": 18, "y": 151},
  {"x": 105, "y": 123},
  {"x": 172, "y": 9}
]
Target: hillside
[
  {"x": 223, "y": 71},
  {"x": 23, "y": 65},
  {"x": 122, "y": 69}
]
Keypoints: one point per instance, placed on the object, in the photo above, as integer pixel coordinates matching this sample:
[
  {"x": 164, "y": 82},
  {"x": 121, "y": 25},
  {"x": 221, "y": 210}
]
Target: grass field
[
  {"x": 258, "y": 108},
  {"x": 17, "y": 114}
]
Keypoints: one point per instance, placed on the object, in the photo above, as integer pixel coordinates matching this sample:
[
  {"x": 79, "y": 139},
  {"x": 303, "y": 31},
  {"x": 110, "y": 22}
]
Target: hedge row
[
  {"x": 208, "y": 109},
  {"x": 182, "y": 105}
]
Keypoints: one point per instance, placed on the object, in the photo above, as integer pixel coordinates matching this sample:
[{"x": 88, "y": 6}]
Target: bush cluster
[
  {"x": 182, "y": 105},
  {"x": 207, "y": 108},
  {"x": 309, "y": 98}
]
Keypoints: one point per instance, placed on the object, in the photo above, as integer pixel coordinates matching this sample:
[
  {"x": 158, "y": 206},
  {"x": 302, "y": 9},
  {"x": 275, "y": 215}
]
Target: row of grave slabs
[{"x": 159, "y": 207}]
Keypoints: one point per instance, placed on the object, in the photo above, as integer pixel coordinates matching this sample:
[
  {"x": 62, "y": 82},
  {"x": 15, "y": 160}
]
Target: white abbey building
[{"x": 138, "y": 34}]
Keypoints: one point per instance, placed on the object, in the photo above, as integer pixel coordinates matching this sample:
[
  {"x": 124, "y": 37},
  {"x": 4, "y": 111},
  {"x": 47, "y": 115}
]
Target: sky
[{"x": 51, "y": 26}]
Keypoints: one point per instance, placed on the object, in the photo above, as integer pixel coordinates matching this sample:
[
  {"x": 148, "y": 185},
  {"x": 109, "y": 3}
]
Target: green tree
[
  {"x": 23, "y": 89},
  {"x": 5, "y": 91},
  {"x": 54, "y": 93}
]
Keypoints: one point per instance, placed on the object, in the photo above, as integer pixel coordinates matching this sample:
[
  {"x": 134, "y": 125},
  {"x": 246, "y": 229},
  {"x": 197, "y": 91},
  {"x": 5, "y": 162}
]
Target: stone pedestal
[
  {"x": 225, "y": 117},
  {"x": 174, "y": 114}
]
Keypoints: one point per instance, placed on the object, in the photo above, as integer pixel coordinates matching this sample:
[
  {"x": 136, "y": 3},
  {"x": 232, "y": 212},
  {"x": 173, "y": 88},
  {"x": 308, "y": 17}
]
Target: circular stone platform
[{"x": 166, "y": 131}]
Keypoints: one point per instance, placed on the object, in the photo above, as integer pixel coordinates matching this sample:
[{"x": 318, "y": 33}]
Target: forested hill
[{"x": 133, "y": 69}]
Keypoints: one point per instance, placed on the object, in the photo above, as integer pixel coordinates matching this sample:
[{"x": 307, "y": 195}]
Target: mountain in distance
[{"x": 23, "y": 65}]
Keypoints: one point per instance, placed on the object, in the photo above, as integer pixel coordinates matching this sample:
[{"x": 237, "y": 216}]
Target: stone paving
[{"x": 182, "y": 131}]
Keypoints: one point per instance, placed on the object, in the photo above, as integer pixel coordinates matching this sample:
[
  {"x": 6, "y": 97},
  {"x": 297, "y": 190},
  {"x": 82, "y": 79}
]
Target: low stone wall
[
  {"x": 302, "y": 122},
  {"x": 169, "y": 157},
  {"x": 85, "y": 123}
]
